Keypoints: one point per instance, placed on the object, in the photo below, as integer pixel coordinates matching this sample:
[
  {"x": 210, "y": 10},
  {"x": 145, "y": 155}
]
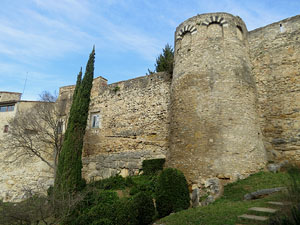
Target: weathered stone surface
[
  {"x": 263, "y": 209},
  {"x": 275, "y": 57},
  {"x": 254, "y": 217},
  {"x": 279, "y": 203},
  {"x": 275, "y": 167},
  {"x": 21, "y": 174},
  {"x": 124, "y": 163},
  {"x": 195, "y": 197},
  {"x": 208, "y": 200},
  {"x": 260, "y": 193},
  {"x": 214, "y": 186},
  {"x": 214, "y": 125}
]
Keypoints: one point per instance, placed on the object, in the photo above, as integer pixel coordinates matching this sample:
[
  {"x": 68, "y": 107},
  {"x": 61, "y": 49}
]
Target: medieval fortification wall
[
  {"x": 232, "y": 105},
  {"x": 275, "y": 58}
]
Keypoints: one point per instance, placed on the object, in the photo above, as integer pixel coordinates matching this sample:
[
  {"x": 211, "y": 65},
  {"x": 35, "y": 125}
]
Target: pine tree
[
  {"x": 68, "y": 176},
  {"x": 164, "y": 62}
]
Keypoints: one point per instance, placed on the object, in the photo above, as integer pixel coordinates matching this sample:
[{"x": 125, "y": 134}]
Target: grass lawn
[{"x": 227, "y": 209}]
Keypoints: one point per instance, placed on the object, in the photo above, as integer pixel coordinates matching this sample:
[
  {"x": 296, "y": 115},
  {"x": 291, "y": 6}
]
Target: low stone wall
[
  {"x": 123, "y": 163},
  {"x": 22, "y": 178}
]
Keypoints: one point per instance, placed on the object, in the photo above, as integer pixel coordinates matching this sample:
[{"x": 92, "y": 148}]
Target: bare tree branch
[{"x": 36, "y": 132}]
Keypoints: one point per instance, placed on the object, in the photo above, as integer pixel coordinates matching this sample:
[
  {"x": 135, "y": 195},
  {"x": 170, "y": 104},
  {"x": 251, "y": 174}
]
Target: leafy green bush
[
  {"x": 144, "y": 183},
  {"x": 143, "y": 203},
  {"x": 152, "y": 166},
  {"x": 126, "y": 212},
  {"x": 136, "y": 210},
  {"x": 172, "y": 194},
  {"x": 113, "y": 183},
  {"x": 101, "y": 212}
]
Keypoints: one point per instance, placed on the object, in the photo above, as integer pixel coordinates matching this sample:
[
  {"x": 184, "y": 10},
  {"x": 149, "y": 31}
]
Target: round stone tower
[{"x": 214, "y": 130}]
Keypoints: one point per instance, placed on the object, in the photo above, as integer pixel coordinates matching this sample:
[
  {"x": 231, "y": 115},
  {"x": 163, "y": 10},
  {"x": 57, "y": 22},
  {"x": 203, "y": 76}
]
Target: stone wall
[
  {"x": 9, "y": 96},
  {"x": 233, "y": 93},
  {"x": 214, "y": 130},
  {"x": 133, "y": 126},
  {"x": 275, "y": 57},
  {"x": 22, "y": 174}
]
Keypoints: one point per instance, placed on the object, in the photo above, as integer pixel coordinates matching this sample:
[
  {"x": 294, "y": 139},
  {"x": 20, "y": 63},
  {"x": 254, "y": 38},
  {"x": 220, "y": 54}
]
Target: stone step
[
  {"x": 253, "y": 217},
  {"x": 279, "y": 203},
  {"x": 262, "y": 209}
]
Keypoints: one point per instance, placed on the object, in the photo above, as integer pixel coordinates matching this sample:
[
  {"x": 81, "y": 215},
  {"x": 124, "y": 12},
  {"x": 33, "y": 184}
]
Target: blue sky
[{"x": 48, "y": 41}]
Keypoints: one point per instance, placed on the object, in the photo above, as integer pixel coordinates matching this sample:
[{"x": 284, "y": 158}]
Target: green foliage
[
  {"x": 292, "y": 219},
  {"x": 105, "y": 207},
  {"x": 27, "y": 212},
  {"x": 137, "y": 210},
  {"x": 152, "y": 166},
  {"x": 293, "y": 214},
  {"x": 144, "y": 183},
  {"x": 143, "y": 203},
  {"x": 68, "y": 174},
  {"x": 116, "y": 89},
  {"x": 172, "y": 194},
  {"x": 294, "y": 188},
  {"x": 261, "y": 180},
  {"x": 165, "y": 61},
  {"x": 227, "y": 209},
  {"x": 126, "y": 212},
  {"x": 113, "y": 183}
]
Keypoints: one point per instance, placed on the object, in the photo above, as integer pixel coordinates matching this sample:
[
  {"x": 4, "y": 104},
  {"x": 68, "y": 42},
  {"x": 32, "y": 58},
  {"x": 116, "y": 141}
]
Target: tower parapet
[{"x": 214, "y": 130}]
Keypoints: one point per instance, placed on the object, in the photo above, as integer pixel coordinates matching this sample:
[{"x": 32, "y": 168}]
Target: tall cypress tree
[{"x": 68, "y": 176}]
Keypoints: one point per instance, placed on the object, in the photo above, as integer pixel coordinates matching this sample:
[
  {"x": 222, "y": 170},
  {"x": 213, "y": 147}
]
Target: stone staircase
[{"x": 252, "y": 217}]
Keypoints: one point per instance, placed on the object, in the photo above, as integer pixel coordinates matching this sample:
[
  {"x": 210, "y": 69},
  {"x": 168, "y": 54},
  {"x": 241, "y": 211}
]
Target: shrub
[
  {"x": 101, "y": 212},
  {"x": 126, "y": 212},
  {"x": 136, "y": 210},
  {"x": 152, "y": 166},
  {"x": 144, "y": 183},
  {"x": 29, "y": 211},
  {"x": 172, "y": 194},
  {"x": 144, "y": 205},
  {"x": 112, "y": 183}
]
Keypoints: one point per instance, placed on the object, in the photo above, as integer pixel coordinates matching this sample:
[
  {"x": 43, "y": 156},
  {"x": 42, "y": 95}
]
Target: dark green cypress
[
  {"x": 68, "y": 176},
  {"x": 78, "y": 83}
]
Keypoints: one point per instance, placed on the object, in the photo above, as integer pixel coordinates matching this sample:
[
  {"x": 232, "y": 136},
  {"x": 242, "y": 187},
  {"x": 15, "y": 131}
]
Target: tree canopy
[{"x": 164, "y": 62}]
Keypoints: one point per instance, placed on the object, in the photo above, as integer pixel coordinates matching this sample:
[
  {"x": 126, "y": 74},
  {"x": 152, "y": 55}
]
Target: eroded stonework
[
  {"x": 214, "y": 89},
  {"x": 232, "y": 105}
]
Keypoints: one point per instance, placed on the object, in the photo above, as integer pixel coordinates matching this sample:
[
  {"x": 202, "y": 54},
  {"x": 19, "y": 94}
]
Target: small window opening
[
  {"x": 95, "y": 120},
  {"x": 215, "y": 22},
  {"x": 5, "y": 129},
  {"x": 7, "y": 108},
  {"x": 281, "y": 28},
  {"x": 60, "y": 127}
]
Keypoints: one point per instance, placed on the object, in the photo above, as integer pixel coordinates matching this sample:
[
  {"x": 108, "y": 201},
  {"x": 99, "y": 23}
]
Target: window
[
  {"x": 7, "y": 108},
  {"x": 60, "y": 127},
  {"x": 95, "y": 120},
  {"x": 281, "y": 28},
  {"x": 5, "y": 129}
]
